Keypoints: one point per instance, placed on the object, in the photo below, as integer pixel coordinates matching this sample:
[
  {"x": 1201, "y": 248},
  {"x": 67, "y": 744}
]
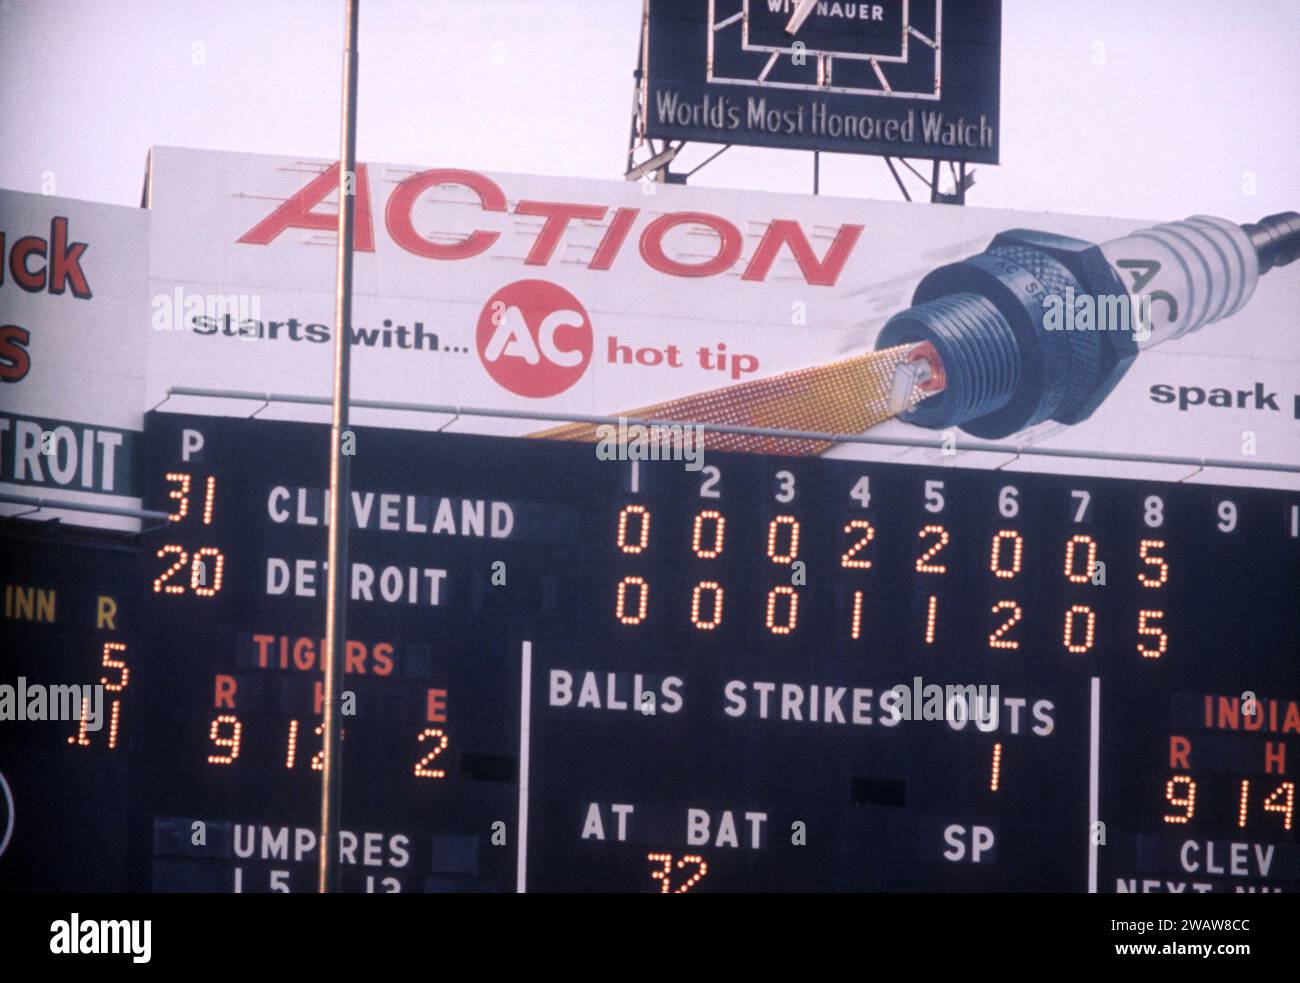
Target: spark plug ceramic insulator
[{"x": 1042, "y": 327}]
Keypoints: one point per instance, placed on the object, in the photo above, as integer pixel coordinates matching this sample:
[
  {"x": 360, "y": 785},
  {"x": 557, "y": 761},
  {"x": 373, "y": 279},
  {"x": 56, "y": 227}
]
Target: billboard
[
  {"x": 776, "y": 661},
  {"x": 72, "y": 321},
  {"x": 576, "y": 297},
  {"x": 907, "y": 78}
]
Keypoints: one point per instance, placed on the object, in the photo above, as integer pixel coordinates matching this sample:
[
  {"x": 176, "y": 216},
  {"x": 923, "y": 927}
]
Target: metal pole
[
  {"x": 340, "y": 476},
  {"x": 817, "y": 171}
]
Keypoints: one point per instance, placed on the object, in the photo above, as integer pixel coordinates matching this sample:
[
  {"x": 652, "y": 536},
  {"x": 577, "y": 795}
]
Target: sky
[{"x": 1149, "y": 109}]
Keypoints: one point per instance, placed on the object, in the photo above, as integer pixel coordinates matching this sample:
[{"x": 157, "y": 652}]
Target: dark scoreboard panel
[
  {"x": 568, "y": 673},
  {"x": 68, "y": 610}
]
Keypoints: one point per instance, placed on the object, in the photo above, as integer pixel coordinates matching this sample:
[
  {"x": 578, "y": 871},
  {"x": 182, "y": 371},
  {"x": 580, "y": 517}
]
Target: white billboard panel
[
  {"x": 571, "y": 296},
  {"x": 73, "y": 322}
]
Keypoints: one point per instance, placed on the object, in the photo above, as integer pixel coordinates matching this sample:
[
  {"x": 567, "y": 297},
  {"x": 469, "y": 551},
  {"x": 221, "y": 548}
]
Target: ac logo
[{"x": 534, "y": 338}]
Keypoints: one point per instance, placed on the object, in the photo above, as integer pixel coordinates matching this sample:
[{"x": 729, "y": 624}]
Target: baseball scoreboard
[{"x": 573, "y": 674}]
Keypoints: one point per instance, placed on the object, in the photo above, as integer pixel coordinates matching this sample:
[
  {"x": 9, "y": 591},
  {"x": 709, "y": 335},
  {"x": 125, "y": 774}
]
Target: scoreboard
[{"x": 770, "y": 674}]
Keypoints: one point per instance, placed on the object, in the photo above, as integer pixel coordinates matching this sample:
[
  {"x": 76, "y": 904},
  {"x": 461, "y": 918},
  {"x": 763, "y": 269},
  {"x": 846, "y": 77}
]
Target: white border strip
[
  {"x": 525, "y": 713},
  {"x": 1094, "y": 783}
]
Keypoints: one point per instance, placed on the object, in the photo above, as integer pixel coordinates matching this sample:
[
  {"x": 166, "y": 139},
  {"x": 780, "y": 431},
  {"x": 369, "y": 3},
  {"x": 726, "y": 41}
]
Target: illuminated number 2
[
  {"x": 422, "y": 769},
  {"x": 868, "y": 534},
  {"x": 923, "y": 564},
  {"x": 996, "y": 641},
  {"x": 158, "y": 583}
]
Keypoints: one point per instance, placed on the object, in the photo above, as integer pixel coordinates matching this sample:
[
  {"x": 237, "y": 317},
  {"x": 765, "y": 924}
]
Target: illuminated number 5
[{"x": 1162, "y": 646}]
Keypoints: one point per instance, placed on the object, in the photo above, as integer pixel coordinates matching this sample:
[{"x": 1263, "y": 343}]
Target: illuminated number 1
[{"x": 209, "y": 499}]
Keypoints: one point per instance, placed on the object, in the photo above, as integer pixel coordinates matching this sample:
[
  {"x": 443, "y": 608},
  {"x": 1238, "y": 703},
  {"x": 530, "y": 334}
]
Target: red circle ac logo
[{"x": 534, "y": 338}]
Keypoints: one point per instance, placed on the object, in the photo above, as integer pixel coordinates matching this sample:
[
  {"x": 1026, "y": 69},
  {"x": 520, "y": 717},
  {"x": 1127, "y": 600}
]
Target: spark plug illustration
[
  {"x": 987, "y": 356},
  {"x": 978, "y": 350}
]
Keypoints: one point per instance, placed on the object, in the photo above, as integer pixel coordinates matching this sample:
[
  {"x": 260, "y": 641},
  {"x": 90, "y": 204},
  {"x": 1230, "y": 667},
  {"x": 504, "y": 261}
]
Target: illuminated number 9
[
  {"x": 1186, "y": 802},
  {"x": 231, "y": 743}
]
